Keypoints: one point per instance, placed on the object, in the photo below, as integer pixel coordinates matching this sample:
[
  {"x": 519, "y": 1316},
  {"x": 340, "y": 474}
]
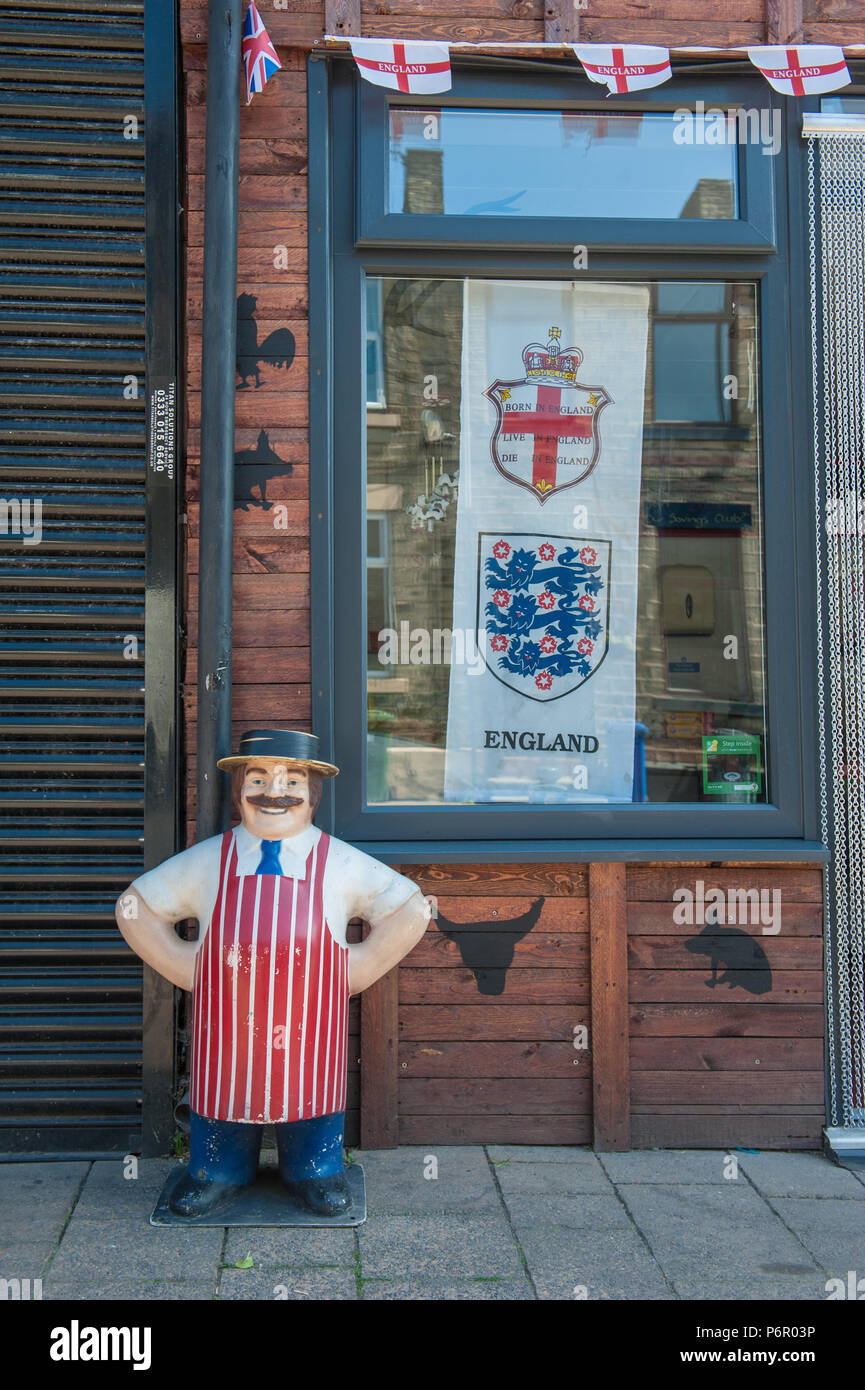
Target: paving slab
[
  {"x": 712, "y": 1288},
  {"x": 438, "y": 1246},
  {"x": 584, "y": 1212},
  {"x": 451, "y": 1291},
  {"x": 537, "y": 1153},
  {"x": 121, "y": 1251},
  {"x": 706, "y": 1237},
  {"x": 799, "y": 1175},
  {"x": 280, "y": 1249},
  {"x": 36, "y": 1198},
  {"x": 252, "y": 1284},
  {"x": 666, "y": 1166},
  {"x": 561, "y": 1179},
  {"x": 833, "y": 1230},
  {"x": 591, "y": 1264},
  {"x": 25, "y": 1259},
  {"x": 584, "y": 1247},
  {"x": 108, "y": 1194},
  {"x": 396, "y": 1185},
  {"x": 22, "y": 1225},
  {"x": 150, "y": 1291},
  {"x": 42, "y": 1175}
]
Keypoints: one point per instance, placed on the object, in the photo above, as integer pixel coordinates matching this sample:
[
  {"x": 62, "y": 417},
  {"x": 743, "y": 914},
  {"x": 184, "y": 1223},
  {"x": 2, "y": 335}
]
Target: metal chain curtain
[{"x": 836, "y": 211}]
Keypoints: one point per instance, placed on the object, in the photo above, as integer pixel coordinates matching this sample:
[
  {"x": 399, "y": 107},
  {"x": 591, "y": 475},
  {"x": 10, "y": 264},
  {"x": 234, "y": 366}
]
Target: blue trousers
[{"x": 227, "y": 1151}]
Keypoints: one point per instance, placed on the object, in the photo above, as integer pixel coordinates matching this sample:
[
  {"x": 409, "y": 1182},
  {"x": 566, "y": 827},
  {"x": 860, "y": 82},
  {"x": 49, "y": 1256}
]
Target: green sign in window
[{"x": 731, "y": 764}]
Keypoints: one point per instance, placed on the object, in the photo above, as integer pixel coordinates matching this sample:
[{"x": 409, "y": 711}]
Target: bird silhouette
[
  {"x": 277, "y": 348},
  {"x": 487, "y": 948},
  {"x": 253, "y": 468}
]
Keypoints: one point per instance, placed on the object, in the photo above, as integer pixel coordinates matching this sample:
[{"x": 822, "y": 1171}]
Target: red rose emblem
[
  {"x": 501, "y": 550},
  {"x": 585, "y": 645},
  {"x": 499, "y": 643},
  {"x": 588, "y": 555},
  {"x": 501, "y": 598},
  {"x": 543, "y": 680},
  {"x": 548, "y": 644},
  {"x": 547, "y": 551},
  {"x": 587, "y": 603},
  {"x": 546, "y": 600}
]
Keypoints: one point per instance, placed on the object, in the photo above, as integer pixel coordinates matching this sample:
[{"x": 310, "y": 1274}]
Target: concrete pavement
[{"x": 473, "y": 1222}]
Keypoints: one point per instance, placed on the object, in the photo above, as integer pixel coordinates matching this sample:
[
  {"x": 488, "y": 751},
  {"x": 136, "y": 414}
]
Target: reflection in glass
[
  {"x": 700, "y": 691},
  {"x": 555, "y": 164}
]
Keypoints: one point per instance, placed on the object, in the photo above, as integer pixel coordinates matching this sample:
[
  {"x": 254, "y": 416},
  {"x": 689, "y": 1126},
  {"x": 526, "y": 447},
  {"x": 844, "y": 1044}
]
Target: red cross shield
[{"x": 546, "y": 436}]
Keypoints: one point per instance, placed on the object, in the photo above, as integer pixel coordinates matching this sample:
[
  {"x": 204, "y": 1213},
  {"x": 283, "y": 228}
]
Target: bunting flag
[
  {"x": 260, "y": 60},
  {"x": 802, "y": 70},
  {"x": 403, "y": 67},
  {"x": 545, "y": 570},
  {"x": 625, "y": 67}
]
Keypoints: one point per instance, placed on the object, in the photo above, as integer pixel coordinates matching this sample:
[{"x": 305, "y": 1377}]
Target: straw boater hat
[{"x": 291, "y": 747}]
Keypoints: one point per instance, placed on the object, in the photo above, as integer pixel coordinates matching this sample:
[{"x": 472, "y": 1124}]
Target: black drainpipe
[{"x": 219, "y": 333}]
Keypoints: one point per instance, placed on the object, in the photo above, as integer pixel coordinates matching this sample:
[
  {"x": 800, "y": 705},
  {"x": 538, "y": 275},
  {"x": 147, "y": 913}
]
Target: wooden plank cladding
[
  {"x": 491, "y": 1004},
  {"x": 726, "y": 1015},
  {"x": 682, "y": 23},
  {"x": 698, "y": 1033}
]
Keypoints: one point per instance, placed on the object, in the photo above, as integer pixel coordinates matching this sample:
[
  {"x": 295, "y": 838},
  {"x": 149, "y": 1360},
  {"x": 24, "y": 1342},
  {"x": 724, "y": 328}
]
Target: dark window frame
[
  {"x": 753, "y": 230},
  {"x": 341, "y": 254}
]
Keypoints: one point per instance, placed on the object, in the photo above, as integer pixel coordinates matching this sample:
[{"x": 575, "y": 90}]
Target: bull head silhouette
[{"x": 487, "y": 948}]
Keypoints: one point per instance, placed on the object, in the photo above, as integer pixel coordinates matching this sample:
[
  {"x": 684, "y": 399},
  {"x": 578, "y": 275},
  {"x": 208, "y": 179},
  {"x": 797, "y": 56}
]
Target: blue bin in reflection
[{"x": 640, "y": 732}]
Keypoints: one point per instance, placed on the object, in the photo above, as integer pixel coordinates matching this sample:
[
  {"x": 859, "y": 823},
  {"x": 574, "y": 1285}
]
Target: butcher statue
[{"x": 271, "y": 973}]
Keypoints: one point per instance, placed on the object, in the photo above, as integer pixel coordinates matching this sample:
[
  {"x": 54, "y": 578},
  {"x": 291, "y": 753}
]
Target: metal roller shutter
[{"x": 72, "y": 414}]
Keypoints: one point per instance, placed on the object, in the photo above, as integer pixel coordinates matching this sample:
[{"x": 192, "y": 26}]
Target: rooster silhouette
[
  {"x": 253, "y": 468},
  {"x": 487, "y": 948},
  {"x": 277, "y": 348}
]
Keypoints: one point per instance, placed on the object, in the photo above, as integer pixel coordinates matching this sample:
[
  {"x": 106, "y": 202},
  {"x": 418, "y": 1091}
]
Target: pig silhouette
[{"x": 747, "y": 966}]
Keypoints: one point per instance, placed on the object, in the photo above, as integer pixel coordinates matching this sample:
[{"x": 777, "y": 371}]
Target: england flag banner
[
  {"x": 625, "y": 67},
  {"x": 545, "y": 569},
  {"x": 403, "y": 67},
  {"x": 803, "y": 70}
]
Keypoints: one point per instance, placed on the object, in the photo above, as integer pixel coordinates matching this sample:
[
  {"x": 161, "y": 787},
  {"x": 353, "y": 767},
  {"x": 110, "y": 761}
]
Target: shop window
[
  {"x": 698, "y": 532},
  {"x": 636, "y": 415}
]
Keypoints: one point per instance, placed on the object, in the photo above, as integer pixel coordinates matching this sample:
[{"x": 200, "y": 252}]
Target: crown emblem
[{"x": 551, "y": 363}]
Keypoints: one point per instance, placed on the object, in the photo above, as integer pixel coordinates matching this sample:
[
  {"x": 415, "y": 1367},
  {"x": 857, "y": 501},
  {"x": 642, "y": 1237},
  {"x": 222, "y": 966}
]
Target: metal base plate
[
  {"x": 846, "y": 1146},
  {"x": 266, "y": 1202}
]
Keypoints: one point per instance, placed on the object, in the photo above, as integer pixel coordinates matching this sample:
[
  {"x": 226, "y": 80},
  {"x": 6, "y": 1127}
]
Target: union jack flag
[{"x": 259, "y": 55}]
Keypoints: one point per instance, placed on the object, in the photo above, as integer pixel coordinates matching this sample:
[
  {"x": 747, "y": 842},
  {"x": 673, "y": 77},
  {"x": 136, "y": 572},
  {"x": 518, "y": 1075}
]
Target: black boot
[
  {"x": 198, "y": 1196},
  {"x": 325, "y": 1196}
]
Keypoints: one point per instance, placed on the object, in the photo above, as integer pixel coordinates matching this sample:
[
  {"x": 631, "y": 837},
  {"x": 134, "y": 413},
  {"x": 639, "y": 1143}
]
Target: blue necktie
[{"x": 269, "y": 862}]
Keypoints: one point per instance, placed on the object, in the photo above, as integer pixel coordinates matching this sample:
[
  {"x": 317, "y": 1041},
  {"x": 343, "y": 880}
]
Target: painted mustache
[{"x": 275, "y": 803}]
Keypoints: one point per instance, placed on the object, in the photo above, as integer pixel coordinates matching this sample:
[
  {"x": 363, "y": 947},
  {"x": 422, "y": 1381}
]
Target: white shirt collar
[{"x": 293, "y": 852}]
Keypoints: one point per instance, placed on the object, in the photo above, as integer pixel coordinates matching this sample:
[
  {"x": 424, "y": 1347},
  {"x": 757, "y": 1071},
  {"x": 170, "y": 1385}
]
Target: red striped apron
[{"x": 269, "y": 999}]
